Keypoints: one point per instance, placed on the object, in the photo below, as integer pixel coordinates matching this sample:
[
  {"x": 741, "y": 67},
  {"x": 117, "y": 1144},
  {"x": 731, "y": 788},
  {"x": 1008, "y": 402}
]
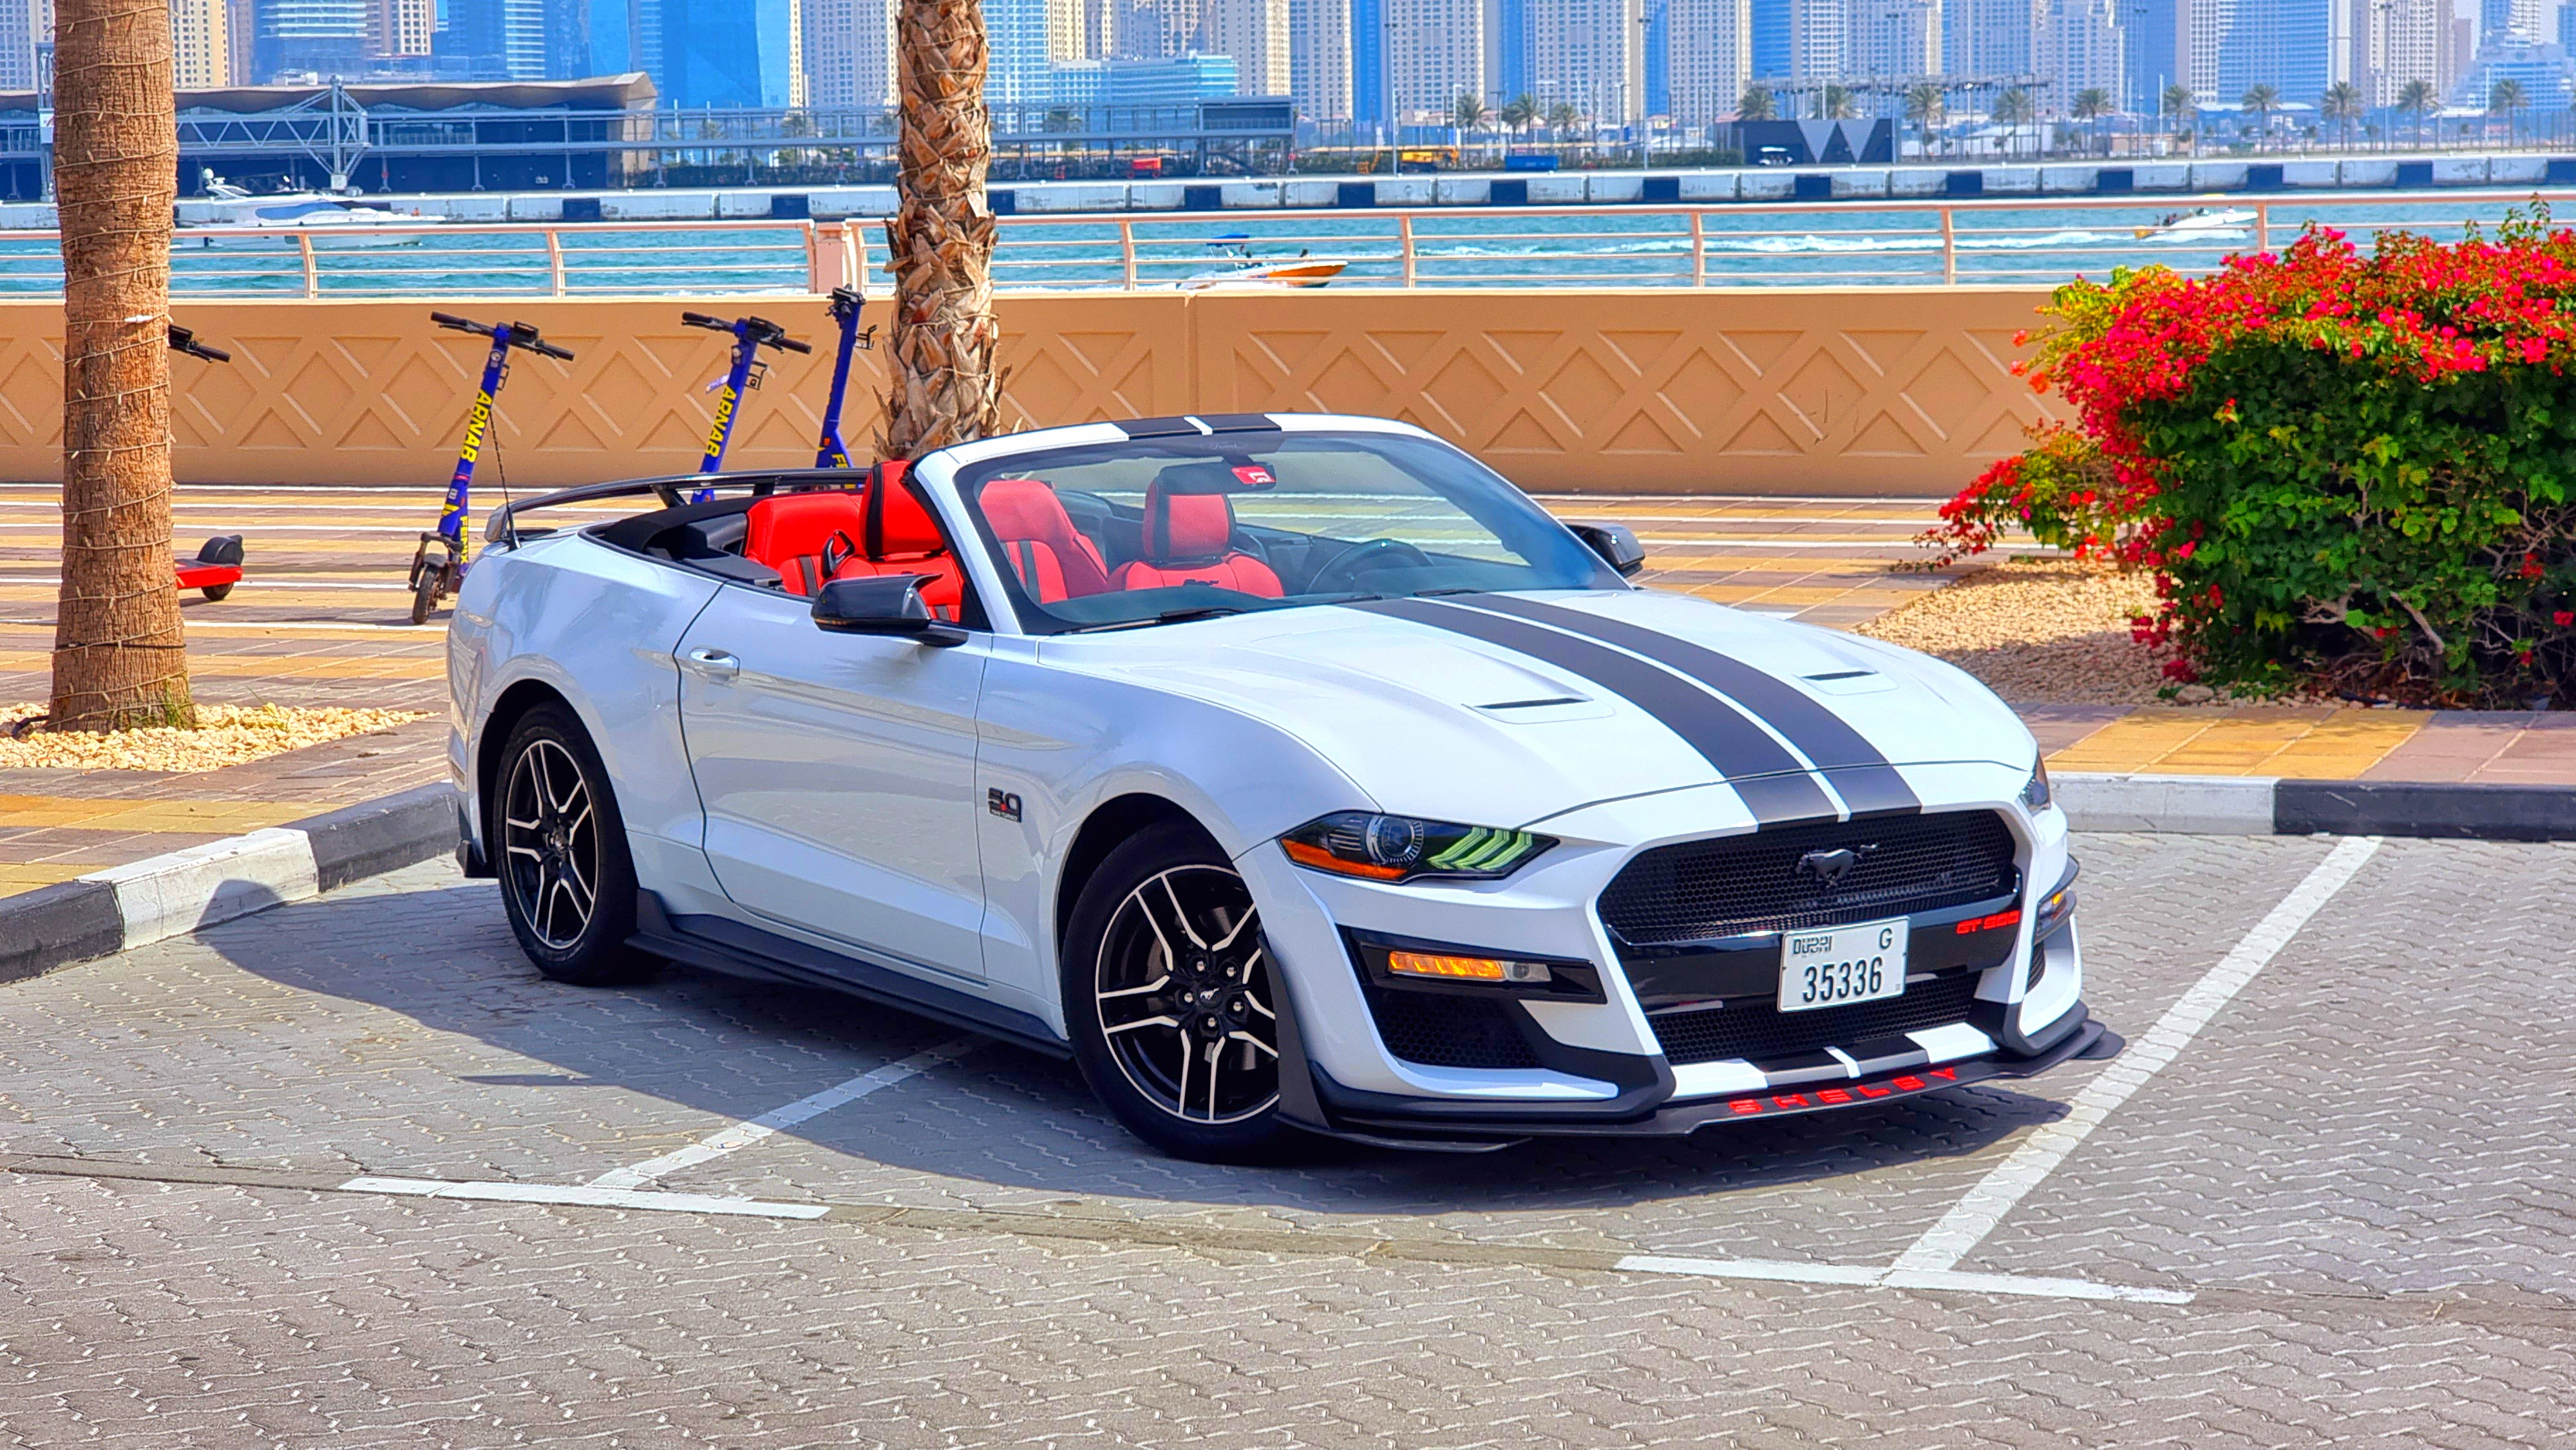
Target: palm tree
[
  {"x": 1757, "y": 104},
  {"x": 2509, "y": 98},
  {"x": 2262, "y": 100},
  {"x": 2013, "y": 109},
  {"x": 1521, "y": 113},
  {"x": 2178, "y": 104},
  {"x": 2419, "y": 99},
  {"x": 2094, "y": 104},
  {"x": 120, "y": 654},
  {"x": 1836, "y": 103},
  {"x": 1925, "y": 106},
  {"x": 1561, "y": 118},
  {"x": 944, "y": 389},
  {"x": 2343, "y": 104},
  {"x": 1467, "y": 115}
]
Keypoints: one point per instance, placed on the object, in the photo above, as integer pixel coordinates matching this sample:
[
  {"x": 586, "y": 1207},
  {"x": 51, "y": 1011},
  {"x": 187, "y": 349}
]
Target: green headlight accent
[{"x": 1483, "y": 848}]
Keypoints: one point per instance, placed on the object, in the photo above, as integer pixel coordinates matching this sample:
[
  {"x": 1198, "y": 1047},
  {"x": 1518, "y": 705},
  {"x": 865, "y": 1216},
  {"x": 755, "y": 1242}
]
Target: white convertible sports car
[{"x": 1292, "y": 773}]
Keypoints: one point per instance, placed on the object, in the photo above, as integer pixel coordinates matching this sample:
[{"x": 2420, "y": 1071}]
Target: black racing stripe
[
  {"x": 1860, "y": 773},
  {"x": 1773, "y": 785},
  {"x": 1156, "y": 427}
]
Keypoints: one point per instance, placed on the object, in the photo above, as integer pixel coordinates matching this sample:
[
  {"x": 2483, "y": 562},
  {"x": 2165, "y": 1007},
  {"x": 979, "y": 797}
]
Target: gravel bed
[
  {"x": 2038, "y": 632},
  {"x": 225, "y": 735}
]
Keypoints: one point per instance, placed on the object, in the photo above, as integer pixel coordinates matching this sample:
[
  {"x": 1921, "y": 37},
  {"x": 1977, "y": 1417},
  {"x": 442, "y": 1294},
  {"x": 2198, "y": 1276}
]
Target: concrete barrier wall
[{"x": 1781, "y": 391}]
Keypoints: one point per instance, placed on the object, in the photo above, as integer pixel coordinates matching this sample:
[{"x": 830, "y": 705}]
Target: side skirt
[{"x": 718, "y": 944}]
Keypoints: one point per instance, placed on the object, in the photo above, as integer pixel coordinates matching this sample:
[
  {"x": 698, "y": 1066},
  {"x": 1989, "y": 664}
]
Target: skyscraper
[
  {"x": 19, "y": 22},
  {"x": 1890, "y": 38},
  {"x": 1770, "y": 42},
  {"x": 2079, "y": 50},
  {"x": 1319, "y": 58},
  {"x": 1368, "y": 61},
  {"x": 849, "y": 52},
  {"x": 1711, "y": 58},
  {"x": 396, "y": 29},
  {"x": 494, "y": 40},
  {"x": 323, "y": 38},
  {"x": 2288, "y": 45},
  {"x": 2151, "y": 58},
  {"x": 1816, "y": 33},
  {"x": 200, "y": 45},
  {"x": 1255, "y": 33},
  {"x": 729, "y": 52},
  {"x": 1989, "y": 37},
  {"x": 1593, "y": 54},
  {"x": 1435, "y": 54}
]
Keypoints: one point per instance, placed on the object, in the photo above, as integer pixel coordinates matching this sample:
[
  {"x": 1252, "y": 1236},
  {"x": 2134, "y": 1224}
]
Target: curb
[
  {"x": 2268, "y": 806},
  {"x": 168, "y": 895}
]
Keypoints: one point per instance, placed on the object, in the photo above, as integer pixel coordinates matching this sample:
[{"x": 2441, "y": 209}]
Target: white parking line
[
  {"x": 590, "y": 1197},
  {"x": 744, "y": 1134},
  {"x": 1864, "y": 1277},
  {"x": 1969, "y": 1221}
]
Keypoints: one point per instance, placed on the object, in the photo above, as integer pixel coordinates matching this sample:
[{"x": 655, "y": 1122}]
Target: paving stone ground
[{"x": 2359, "y": 1167}]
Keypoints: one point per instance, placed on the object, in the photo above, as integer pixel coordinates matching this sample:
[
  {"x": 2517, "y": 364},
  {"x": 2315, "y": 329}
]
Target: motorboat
[
  {"x": 2199, "y": 225},
  {"x": 242, "y": 218},
  {"x": 1240, "y": 268}
]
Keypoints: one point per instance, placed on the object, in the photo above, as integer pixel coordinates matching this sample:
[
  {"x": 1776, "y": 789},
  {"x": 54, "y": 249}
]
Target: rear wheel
[
  {"x": 1172, "y": 1001},
  {"x": 424, "y": 594},
  {"x": 567, "y": 881},
  {"x": 214, "y": 592}
]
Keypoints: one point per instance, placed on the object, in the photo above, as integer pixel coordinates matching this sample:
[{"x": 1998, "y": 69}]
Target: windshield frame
[{"x": 958, "y": 476}]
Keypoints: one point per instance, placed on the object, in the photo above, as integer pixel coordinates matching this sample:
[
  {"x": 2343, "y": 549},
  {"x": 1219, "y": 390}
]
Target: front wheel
[
  {"x": 1172, "y": 1001},
  {"x": 567, "y": 881},
  {"x": 215, "y": 592},
  {"x": 424, "y": 594}
]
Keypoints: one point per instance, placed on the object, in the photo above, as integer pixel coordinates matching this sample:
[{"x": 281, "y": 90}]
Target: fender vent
[{"x": 1444, "y": 1029}]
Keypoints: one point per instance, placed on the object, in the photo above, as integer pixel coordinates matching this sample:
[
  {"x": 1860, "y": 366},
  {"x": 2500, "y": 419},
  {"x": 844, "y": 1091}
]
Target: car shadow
[{"x": 1001, "y": 1115}]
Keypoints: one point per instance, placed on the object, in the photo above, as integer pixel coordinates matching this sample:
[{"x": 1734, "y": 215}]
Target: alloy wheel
[
  {"x": 550, "y": 841},
  {"x": 1182, "y": 989}
]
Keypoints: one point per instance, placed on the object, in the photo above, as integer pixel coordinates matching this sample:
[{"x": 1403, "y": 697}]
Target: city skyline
[{"x": 1613, "y": 62}]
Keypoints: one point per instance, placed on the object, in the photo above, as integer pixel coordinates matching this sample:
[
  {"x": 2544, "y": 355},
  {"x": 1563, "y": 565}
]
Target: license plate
[{"x": 1843, "y": 964}]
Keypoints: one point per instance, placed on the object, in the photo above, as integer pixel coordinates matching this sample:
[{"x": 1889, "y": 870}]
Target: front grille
[
  {"x": 1739, "y": 884},
  {"x": 1443, "y": 1029},
  {"x": 1755, "y": 1028}
]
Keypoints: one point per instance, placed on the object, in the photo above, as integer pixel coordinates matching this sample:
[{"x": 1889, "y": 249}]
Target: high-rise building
[
  {"x": 21, "y": 28},
  {"x": 1255, "y": 33},
  {"x": 396, "y": 29},
  {"x": 729, "y": 53},
  {"x": 1152, "y": 29},
  {"x": 1511, "y": 39},
  {"x": 1711, "y": 58},
  {"x": 1369, "y": 95},
  {"x": 200, "y": 45},
  {"x": 1591, "y": 53},
  {"x": 326, "y": 39},
  {"x": 2404, "y": 41},
  {"x": 1319, "y": 58},
  {"x": 1659, "y": 57},
  {"x": 1893, "y": 38},
  {"x": 2503, "y": 20},
  {"x": 1435, "y": 52},
  {"x": 849, "y": 53},
  {"x": 1990, "y": 37},
  {"x": 2151, "y": 56},
  {"x": 2079, "y": 50},
  {"x": 1816, "y": 33},
  {"x": 1017, "y": 55},
  {"x": 494, "y": 40},
  {"x": 1770, "y": 43},
  {"x": 2289, "y": 45}
]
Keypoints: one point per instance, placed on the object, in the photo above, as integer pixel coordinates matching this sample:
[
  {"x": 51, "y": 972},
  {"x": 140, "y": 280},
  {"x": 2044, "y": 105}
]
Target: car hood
[{"x": 1436, "y": 709}]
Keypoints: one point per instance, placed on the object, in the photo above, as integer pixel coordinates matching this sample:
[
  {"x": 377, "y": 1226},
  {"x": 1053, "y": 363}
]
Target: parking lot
[{"x": 2323, "y": 1200}]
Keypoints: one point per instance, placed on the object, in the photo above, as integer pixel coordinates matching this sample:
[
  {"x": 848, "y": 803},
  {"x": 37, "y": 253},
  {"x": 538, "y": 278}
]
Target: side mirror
[
  {"x": 1615, "y": 543},
  {"x": 889, "y": 605}
]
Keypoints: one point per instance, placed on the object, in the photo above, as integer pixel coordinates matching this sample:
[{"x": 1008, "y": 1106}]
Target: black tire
[
  {"x": 1167, "y": 905},
  {"x": 555, "y": 830},
  {"x": 215, "y": 592},
  {"x": 424, "y": 594}
]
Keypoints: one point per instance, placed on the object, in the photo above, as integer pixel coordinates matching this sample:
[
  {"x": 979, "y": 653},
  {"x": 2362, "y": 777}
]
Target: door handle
[{"x": 715, "y": 664}]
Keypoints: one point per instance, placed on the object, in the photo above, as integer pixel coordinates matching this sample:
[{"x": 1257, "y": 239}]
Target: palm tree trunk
[
  {"x": 944, "y": 389},
  {"x": 120, "y": 656}
]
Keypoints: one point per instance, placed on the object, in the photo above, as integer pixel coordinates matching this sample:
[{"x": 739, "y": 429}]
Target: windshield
[{"x": 1155, "y": 531}]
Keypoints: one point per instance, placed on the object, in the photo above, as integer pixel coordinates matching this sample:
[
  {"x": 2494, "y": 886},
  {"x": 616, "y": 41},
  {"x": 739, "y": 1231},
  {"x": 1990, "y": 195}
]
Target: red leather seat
[
  {"x": 804, "y": 536},
  {"x": 1053, "y": 558},
  {"x": 1189, "y": 539},
  {"x": 897, "y": 535}
]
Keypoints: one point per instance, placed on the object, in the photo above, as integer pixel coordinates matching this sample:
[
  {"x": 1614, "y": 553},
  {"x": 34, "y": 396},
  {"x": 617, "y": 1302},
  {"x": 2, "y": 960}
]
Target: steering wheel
[{"x": 1341, "y": 573}]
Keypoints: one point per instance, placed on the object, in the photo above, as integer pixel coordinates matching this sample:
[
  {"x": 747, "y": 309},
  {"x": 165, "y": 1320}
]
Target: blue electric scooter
[
  {"x": 750, "y": 335},
  {"x": 831, "y": 452},
  {"x": 439, "y": 578}
]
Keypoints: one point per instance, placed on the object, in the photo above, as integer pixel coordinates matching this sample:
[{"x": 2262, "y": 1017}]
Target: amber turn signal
[{"x": 1464, "y": 969}]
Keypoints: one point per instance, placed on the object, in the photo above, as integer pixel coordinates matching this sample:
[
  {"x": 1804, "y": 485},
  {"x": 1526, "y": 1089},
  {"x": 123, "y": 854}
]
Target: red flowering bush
[{"x": 2347, "y": 469}]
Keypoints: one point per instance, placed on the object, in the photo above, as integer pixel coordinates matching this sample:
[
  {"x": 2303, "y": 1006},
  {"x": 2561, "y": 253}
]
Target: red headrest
[
  {"x": 898, "y": 522},
  {"x": 1186, "y": 525},
  {"x": 1025, "y": 508},
  {"x": 788, "y": 525}
]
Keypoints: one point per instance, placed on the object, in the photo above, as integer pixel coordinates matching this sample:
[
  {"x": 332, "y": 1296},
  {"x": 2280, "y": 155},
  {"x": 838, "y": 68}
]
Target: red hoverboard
[{"x": 217, "y": 567}]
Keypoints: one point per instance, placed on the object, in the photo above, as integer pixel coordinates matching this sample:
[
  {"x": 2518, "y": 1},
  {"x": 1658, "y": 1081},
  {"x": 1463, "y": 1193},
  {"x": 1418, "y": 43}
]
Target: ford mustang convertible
[{"x": 1293, "y": 774}]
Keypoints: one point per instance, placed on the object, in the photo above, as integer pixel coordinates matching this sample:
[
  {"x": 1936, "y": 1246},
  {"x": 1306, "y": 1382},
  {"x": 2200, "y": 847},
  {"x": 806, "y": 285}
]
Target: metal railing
[{"x": 1893, "y": 243}]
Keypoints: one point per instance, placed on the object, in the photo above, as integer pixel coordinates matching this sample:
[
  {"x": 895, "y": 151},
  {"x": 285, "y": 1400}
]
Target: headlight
[
  {"x": 2035, "y": 794},
  {"x": 1401, "y": 848}
]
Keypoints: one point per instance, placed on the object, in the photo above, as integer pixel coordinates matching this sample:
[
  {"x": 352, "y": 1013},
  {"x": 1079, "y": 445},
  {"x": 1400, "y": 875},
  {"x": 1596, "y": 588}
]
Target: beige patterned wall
[{"x": 1887, "y": 390}]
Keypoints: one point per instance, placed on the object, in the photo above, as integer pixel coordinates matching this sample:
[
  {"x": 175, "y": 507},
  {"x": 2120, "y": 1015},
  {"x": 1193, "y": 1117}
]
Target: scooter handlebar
[
  {"x": 792, "y": 345},
  {"x": 548, "y": 349},
  {"x": 459, "y": 324},
  {"x": 700, "y": 319}
]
